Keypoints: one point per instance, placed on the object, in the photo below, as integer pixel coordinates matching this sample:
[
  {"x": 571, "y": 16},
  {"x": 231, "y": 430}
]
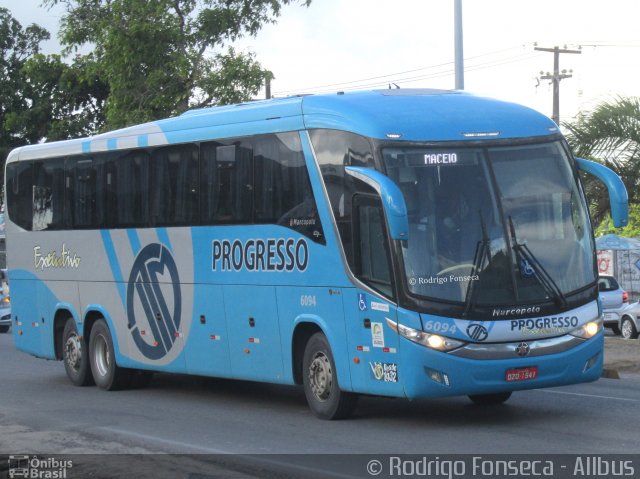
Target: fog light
[
  {"x": 591, "y": 362},
  {"x": 437, "y": 376}
]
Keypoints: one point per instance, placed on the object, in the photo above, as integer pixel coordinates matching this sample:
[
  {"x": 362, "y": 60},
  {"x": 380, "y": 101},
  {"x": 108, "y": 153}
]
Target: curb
[{"x": 610, "y": 374}]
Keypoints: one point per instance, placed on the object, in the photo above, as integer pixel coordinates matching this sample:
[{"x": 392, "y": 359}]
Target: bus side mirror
[
  {"x": 618, "y": 197},
  {"x": 395, "y": 208}
]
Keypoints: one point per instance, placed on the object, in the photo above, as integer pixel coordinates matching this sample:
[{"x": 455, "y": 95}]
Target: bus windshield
[{"x": 492, "y": 226}]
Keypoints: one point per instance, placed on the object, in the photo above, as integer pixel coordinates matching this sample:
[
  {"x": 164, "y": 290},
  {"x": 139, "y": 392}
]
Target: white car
[
  {"x": 630, "y": 321},
  {"x": 614, "y": 301}
]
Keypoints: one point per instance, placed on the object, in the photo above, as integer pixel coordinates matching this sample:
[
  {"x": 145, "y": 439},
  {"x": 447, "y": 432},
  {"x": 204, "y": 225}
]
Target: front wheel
[
  {"x": 107, "y": 374},
  {"x": 628, "y": 329},
  {"x": 320, "y": 380},
  {"x": 75, "y": 355},
  {"x": 490, "y": 399}
]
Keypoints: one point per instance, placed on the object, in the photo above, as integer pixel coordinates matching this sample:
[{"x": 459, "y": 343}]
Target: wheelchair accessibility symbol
[{"x": 362, "y": 302}]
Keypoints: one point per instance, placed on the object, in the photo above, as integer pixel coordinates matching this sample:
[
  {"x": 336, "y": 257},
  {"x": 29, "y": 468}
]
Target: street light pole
[{"x": 459, "y": 60}]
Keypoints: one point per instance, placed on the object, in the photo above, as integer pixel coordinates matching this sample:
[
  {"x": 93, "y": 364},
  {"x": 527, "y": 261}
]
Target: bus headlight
[
  {"x": 588, "y": 330},
  {"x": 432, "y": 341}
]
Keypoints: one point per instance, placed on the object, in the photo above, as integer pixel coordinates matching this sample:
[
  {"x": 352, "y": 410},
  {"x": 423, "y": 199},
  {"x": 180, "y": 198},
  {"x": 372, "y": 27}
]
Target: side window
[
  {"x": 372, "y": 263},
  {"x": 48, "y": 194},
  {"x": 81, "y": 192},
  {"x": 174, "y": 185},
  {"x": 122, "y": 189},
  {"x": 226, "y": 181},
  {"x": 282, "y": 193},
  {"x": 20, "y": 193},
  {"x": 334, "y": 150}
]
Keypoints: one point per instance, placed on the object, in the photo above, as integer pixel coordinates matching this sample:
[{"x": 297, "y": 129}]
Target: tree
[
  {"x": 162, "y": 57},
  {"x": 41, "y": 97},
  {"x": 611, "y": 136},
  {"x": 17, "y": 45}
]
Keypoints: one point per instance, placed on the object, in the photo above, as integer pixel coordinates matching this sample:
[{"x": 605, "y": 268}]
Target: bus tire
[
  {"x": 75, "y": 355},
  {"x": 320, "y": 381},
  {"x": 107, "y": 374},
  {"x": 490, "y": 399}
]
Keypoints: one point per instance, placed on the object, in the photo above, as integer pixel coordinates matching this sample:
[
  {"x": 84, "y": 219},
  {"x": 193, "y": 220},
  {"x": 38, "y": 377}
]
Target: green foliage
[
  {"x": 41, "y": 97},
  {"x": 632, "y": 230},
  {"x": 610, "y": 135},
  {"x": 162, "y": 57}
]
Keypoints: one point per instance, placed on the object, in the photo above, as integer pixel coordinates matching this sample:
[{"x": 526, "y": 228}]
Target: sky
[{"x": 340, "y": 45}]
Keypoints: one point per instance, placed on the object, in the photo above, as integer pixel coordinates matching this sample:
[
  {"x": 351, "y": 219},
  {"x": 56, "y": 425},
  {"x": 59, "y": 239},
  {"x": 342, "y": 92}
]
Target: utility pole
[
  {"x": 459, "y": 59},
  {"x": 556, "y": 77}
]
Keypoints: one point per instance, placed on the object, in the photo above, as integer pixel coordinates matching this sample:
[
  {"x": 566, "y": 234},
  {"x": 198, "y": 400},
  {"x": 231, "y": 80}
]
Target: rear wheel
[
  {"x": 628, "y": 329},
  {"x": 107, "y": 374},
  {"x": 75, "y": 355},
  {"x": 320, "y": 380},
  {"x": 490, "y": 399}
]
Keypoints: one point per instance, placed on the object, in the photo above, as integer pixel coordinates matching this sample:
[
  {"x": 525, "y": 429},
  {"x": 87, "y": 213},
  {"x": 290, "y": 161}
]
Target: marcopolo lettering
[
  {"x": 274, "y": 254},
  {"x": 545, "y": 323},
  {"x": 514, "y": 311}
]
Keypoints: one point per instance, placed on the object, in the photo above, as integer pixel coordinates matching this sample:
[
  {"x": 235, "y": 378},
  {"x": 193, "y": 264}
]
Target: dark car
[{"x": 614, "y": 301}]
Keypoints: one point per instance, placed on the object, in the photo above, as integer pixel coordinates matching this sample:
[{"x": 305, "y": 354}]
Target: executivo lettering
[{"x": 53, "y": 259}]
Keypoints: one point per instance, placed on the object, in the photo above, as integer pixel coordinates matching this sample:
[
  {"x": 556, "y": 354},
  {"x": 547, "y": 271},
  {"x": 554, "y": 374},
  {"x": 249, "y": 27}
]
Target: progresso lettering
[
  {"x": 281, "y": 254},
  {"x": 544, "y": 323}
]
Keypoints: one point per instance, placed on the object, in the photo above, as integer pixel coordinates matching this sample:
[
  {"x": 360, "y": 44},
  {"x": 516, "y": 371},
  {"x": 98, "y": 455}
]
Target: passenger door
[{"x": 376, "y": 343}]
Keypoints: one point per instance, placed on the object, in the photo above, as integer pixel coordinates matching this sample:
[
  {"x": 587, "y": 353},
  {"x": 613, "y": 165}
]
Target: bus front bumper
[{"x": 430, "y": 373}]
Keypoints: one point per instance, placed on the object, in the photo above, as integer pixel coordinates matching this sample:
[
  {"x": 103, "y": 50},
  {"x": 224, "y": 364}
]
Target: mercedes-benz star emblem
[{"x": 522, "y": 349}]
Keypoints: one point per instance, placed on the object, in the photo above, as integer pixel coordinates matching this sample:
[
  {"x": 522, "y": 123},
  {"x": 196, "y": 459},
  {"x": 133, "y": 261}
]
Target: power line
[{"x": 389, "y": 75}]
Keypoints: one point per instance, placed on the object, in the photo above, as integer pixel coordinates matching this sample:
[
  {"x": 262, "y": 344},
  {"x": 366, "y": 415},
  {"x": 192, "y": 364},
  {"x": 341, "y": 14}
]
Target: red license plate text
[{"x": 521, "y": 374}]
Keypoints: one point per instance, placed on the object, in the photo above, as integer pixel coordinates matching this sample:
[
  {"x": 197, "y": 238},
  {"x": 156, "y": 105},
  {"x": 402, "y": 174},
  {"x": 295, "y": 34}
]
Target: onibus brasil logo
[{"x": 154, "y": 299}]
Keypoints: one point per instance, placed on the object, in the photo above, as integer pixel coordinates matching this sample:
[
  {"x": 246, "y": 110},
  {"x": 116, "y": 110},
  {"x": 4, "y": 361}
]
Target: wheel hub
[
  {"x": 102, "y": 356},
  {"x": 626, "y": 329},
  {"x": 73, "y": 349},
  {"x": 320, "y": 376}
]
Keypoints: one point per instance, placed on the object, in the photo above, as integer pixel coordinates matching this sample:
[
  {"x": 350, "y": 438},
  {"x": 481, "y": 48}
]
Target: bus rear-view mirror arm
[
  {"x": 618, "y": 197},
  {"x": 392, "y": 199}
]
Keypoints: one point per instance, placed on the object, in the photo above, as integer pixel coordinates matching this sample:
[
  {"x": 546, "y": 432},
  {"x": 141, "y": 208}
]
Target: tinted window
[
  {"x": 20, "y": 194},
  {"x": 372, "y": 260},
  {"x": 174, "y": 185},
  {"x": 607, "y": 283},
  {"x": 334, "y": 150},
  {"x": 282, "y": 191},
  {"x": 48, "y": 194}
]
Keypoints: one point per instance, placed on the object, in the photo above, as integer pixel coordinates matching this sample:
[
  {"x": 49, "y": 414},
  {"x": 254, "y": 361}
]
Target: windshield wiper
[
  {"x": 483, "y": 249},
  {"x": 547, "y": 282}
]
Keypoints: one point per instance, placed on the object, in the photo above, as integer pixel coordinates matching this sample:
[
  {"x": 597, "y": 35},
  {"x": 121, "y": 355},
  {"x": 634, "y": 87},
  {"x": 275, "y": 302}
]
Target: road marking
[
  {"x": 148, "y": 437},
  {"x": 589, "y": 395},
  {"x": 259, "y": 459}
]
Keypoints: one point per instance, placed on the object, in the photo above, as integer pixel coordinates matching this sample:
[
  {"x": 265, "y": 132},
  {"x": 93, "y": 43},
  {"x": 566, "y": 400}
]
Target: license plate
[
  {"x": 609, "y": 316},
  {"x": 521, "y": 374}
]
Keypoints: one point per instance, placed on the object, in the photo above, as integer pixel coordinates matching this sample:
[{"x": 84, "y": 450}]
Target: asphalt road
[{"x": 42, "y": 412}]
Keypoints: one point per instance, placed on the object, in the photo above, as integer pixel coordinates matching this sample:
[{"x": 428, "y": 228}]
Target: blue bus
[{"x": 401, "y": 243}]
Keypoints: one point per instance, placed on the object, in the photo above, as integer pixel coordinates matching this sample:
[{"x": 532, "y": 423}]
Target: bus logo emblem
[
  {"x": 477, "y": 332},
  {"x": 146, "y": 293},
  {"x": 522, "y": 349}
]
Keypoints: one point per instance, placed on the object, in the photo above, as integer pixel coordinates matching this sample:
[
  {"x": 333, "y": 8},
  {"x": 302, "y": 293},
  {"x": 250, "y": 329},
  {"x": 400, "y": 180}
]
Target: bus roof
[{"x": 398, "y": 114}]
